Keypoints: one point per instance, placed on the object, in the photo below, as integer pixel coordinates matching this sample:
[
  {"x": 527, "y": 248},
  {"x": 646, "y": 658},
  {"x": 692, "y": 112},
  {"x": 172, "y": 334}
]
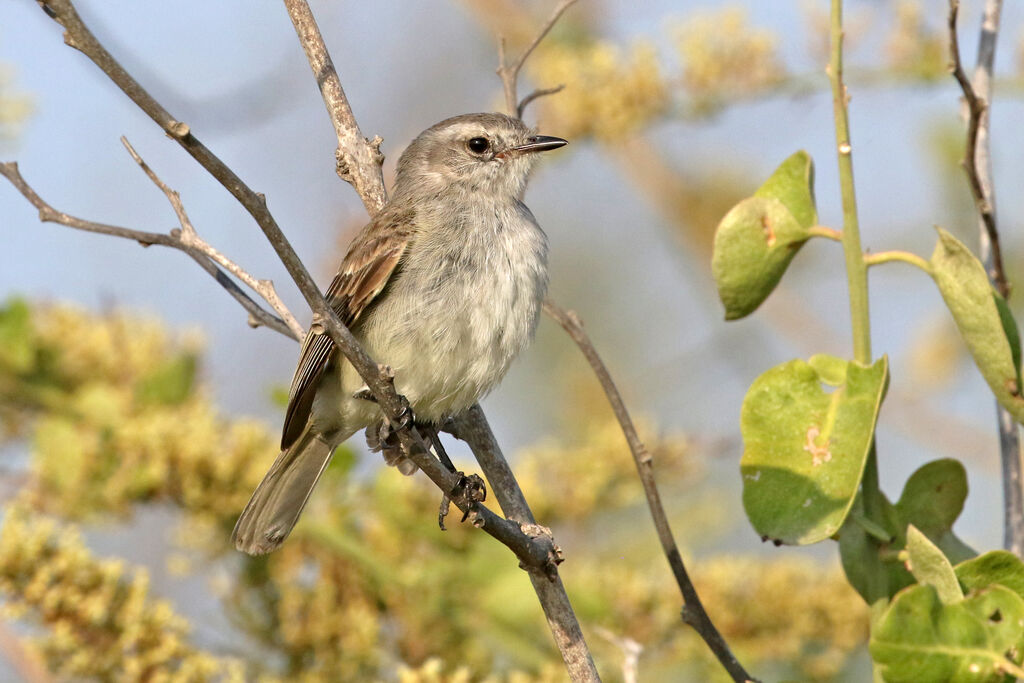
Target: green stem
[
  {"x": 856, "y": 264},
  {"x": 826, "y": 232},
  {"x": 856, "y": 269},
  {"x": 904, "y": 256}
]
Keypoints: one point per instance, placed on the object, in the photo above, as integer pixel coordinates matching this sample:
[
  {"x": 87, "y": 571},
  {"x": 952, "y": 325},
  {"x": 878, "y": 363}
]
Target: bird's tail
[{"x": 277, "y": 502}]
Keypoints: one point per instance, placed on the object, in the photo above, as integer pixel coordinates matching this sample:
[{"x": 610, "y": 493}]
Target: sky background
[{"x": 235, "y": 73}]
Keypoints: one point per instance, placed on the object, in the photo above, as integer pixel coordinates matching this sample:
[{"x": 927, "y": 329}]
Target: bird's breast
[{"x": 465, "y": 303}]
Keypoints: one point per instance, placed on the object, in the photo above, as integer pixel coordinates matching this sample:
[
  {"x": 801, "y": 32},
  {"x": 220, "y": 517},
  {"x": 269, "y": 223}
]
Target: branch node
[{"x": 178, "y": 129}]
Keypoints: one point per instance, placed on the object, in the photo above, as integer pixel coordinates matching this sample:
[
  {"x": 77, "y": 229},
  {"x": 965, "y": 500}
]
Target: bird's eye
[{"x": 478, "y": 145}]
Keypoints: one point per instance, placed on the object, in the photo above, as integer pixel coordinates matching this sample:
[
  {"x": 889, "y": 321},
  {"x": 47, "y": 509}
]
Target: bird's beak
[{"x": 538, "y": 143}]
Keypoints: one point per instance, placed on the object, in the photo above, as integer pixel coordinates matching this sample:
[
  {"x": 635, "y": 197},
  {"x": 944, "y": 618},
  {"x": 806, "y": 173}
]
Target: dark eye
[{"x": 478, "y": 145}]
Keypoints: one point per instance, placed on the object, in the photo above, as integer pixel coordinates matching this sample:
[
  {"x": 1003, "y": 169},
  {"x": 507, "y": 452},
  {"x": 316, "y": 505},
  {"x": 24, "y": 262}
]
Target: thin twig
[
  {"x": 977, "y": 108},
  {"x": 191, "y": 239},
  {"x": 509, "y": 73},
  {"x": 358, "y": 159},
  {"x": 532, "y": 552},
  {"x": 693, "y": 612},
  {"x": 978, "y": 165},
  {"x": 257, "y": 314},
  {"x": 538, "y": 93}
]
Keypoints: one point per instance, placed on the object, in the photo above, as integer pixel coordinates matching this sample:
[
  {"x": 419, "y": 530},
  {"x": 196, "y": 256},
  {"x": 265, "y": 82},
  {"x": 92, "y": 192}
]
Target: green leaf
[
  {"x": 931, "y": 500},
  {"x": 970, "y": 298},
  {"x": 997, "y": 566},
  {"x": 170, "y": 382},
  {"x": 753, "y": 246},
  {"x": 919, "y": 638},
  {"x": 928, "y": 565},
  {"x": 805, "y": 449},
  {"x": 792, "y": 183}
]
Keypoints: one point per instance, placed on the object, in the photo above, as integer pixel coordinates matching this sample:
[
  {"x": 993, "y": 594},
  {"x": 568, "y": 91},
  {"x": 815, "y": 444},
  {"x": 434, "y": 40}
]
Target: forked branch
[
  {"x": 509, "y": 73},
  {"x": 195, "y": 248}
]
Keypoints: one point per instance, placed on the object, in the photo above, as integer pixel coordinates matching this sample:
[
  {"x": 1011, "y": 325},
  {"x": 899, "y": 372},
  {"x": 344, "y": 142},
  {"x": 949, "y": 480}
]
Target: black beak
[{"x": 539, "y": 143}]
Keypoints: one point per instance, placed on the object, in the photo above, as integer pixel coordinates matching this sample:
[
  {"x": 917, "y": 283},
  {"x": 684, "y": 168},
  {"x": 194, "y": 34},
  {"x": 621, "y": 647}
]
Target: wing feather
[{"x": 371, "y": 261}]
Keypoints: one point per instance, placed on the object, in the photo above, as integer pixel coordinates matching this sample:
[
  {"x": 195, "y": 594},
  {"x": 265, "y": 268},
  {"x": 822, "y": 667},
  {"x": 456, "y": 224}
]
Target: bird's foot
[{"x": 470, "y": 487}]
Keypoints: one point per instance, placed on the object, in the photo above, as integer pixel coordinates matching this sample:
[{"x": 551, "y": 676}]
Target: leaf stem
[
  {"x": 891, "y": 256},
  {"x": 826, "y": 232}
]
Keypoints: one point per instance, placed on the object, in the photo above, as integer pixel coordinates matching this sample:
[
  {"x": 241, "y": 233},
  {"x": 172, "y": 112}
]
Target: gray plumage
[{"x": 444, "y": 285}]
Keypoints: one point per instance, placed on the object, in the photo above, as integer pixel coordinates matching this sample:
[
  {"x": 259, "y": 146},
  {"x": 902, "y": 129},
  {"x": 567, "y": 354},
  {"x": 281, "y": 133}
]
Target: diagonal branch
[
  {"x": 257, "y": 314},
  {"x": 509, "y": 73},
  {"x": 358, "y": 159},
  {"x": 693, "y": 612}
]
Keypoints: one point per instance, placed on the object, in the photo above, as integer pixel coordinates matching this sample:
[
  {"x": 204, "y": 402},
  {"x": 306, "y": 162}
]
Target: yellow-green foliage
[
  {"x": 367, "y": 587},
  {"x": 117, "y": 418},
  {"x": 102, "y": 622},
  {"x": 915, "y": 46},
  {"x": 722, "y": 55},
  {"x": 609, "y": 92}
]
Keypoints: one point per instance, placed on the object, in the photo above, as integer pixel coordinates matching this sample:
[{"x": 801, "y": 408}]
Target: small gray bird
[{"x": 444, "y": 285}]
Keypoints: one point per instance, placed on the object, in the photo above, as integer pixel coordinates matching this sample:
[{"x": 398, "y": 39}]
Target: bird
[{"x": 444, "y": 285}]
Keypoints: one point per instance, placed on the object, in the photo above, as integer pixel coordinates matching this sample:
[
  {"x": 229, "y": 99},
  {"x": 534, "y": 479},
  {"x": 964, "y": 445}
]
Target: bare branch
[
  {"x": 536, "y": 94},
  {"x": 693, "y": 612},
  {"x": 257, "y": 314},
  {"x": 977, "y": 110},
  {"x": 358, "y": 159},
  {"x": 978, "y": 165},
  {"x": 191, "y": 240},
  {"x": 509, "y": 73}
]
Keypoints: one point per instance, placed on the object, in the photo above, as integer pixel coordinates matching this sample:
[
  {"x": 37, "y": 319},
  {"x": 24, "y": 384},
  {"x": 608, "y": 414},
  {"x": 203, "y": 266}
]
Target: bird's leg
[{"x": 435, "y": 440}]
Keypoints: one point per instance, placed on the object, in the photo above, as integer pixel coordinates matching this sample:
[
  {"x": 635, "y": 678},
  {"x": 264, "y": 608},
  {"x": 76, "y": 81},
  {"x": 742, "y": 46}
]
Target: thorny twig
[
  {"x": 978, "y": 165},
  {"x": 509, "y": 73},
  {"x": 693, "y": 612}
]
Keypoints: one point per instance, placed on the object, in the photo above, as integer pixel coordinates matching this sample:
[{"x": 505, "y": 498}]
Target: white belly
[{"x": 455, "y": 317}]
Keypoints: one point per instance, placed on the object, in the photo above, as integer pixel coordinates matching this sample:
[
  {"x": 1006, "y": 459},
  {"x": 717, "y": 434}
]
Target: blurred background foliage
[
  {"x": 367, "y": 585},
  {"x": 112, "y": 425}
]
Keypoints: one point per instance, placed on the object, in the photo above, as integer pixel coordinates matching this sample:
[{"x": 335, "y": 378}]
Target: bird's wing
[{"x": 371, "y": 261}]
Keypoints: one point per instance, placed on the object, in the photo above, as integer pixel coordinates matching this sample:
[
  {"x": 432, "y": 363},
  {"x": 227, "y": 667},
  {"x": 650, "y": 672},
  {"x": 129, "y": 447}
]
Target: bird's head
[{"x": 476, "y": 153}]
